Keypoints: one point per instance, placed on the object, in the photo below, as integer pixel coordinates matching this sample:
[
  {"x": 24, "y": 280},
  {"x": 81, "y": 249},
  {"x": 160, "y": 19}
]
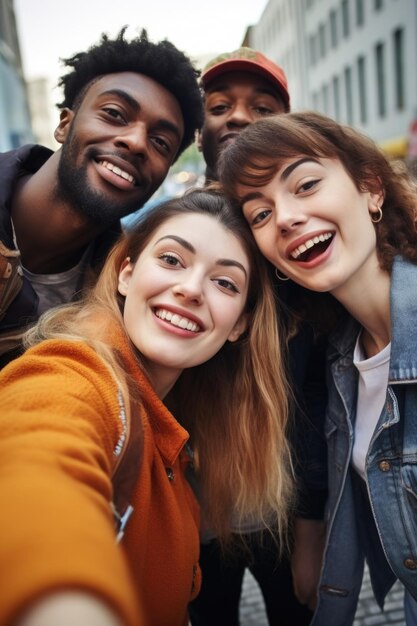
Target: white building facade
[
  {"x": 354, "y": 60},
  {"x": 15, "y": 122}
]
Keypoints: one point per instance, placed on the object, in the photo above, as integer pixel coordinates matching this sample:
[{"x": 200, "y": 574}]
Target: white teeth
[
  {"x": 310, "y": 243},
  {"x": 177, "y": 320},
  {"x": 118, "y": 171}
]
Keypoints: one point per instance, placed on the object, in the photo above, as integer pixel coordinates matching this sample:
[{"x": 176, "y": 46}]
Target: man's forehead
[
  {"x": 142, "y": 95},
  {"x": 136, "y": 87},
  {"x": 130, "y": 80}
]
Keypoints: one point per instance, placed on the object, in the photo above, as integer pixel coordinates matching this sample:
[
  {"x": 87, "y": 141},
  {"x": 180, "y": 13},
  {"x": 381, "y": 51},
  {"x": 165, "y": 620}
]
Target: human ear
[
  {"x": 239, "y": 328},
  {"x": 65, "y": 118},
  {"x": 375, "y": 202},
  {"x": 125, "y": 274},
  {"x": 198, "y": 141},
  {"x": 375, "y": 188}
]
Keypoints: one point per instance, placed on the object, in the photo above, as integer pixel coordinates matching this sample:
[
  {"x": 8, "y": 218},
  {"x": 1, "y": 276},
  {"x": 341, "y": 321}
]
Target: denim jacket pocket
[
  {"x": 409, "y": 480},
  {"x": 329, "y": 427}
]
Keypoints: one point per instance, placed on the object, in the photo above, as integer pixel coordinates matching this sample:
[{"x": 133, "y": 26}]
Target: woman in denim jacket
[{"x": 332, "y": 214}]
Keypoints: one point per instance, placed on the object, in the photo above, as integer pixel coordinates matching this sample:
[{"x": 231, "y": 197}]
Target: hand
[
  {"x": 309, "y": 538},
  {"x": 68, "y": 608}
]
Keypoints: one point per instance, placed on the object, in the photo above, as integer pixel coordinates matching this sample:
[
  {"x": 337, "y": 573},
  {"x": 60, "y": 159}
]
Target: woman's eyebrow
[
  {"x": 256, "y": 195},
  {"x": 288, "y": 170},
  {"x": 180, "y": 240},
  {"x": 252, "y": 195},
  {"x": 231, "y": 263},
  {"x": 187, "y": 245}
]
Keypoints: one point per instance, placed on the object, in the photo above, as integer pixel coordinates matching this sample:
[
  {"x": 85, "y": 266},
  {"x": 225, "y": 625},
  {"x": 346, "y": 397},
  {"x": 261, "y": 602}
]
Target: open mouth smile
[
  {"x": 118, "y": 171},
  {"x": 177, "y": 320},
  {"x": 311, "y": 248}
]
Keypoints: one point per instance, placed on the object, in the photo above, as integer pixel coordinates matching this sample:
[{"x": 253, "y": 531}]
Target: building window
[
  {"x": 360, "y": 13},
  {"x": 379, "y": 4},
  {"x": 322, "y": 41},
  {"x": 380, "y": 78},
  {"x": 325, "y": 98},
  {"x": 349, "y": 95},
  {"x": 333, "y": 28},
  {"x": 336, "y": 97},
  {"x": 345, "y": 18},
  {"x": 312, "y": 46},
  {"x": 399, "y": 68},
  {"x": 362, "y": 90}
]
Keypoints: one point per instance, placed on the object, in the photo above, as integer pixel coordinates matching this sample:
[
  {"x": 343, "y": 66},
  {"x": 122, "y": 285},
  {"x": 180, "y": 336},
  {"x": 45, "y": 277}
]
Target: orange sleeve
[{"x": 58, "y": 427}]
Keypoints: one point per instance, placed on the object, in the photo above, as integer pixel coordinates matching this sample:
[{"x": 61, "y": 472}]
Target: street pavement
[{"x": 252, "y": 610}]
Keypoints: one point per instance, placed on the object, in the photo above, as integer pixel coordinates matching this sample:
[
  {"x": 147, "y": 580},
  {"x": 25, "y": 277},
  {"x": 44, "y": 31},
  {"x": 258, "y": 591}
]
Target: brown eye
[
  {"x": 170, "y": 259},
  {"x": 310, "y": 184},
  {"x": 226, "y": 284},
  {"x": 261, "y": 216},
  {"x": 114, "y": 113}
]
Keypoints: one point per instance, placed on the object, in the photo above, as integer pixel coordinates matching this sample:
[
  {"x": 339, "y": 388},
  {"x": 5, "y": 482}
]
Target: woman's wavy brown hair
[
  {"x": 260, "y": 150},
  {"x": 235, "y": 405}
]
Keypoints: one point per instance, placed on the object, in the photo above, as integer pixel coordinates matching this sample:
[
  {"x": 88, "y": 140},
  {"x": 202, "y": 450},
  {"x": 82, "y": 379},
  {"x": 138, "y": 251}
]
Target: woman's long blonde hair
[{"x": 235, "y": 405}]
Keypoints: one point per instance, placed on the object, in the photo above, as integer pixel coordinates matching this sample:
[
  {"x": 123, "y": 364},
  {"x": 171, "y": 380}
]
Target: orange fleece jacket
[{"x": 60, "y": 423}]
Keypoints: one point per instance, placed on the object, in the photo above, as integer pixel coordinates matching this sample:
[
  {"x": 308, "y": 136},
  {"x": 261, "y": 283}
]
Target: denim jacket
[{"x": 376, "y": 519}]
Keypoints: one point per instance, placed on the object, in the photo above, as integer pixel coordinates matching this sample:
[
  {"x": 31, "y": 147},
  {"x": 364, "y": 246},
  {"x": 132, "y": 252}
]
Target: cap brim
[{"x": 245, "y": 65}]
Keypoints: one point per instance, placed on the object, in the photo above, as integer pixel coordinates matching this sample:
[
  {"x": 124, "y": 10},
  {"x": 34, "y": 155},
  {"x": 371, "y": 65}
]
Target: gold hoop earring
[
  {"x": 376, "y": 220},
  {"x": 281, "y": 277}
]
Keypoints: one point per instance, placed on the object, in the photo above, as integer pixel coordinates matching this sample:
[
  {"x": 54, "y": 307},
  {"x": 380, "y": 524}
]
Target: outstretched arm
[{"x": 58, "y": 427}]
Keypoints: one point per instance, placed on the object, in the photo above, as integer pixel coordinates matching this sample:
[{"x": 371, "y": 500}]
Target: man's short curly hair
[{"x": 162, "y": 62}]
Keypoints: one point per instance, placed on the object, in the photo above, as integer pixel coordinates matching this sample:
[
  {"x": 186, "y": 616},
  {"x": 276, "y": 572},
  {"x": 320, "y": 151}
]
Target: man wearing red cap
[{"x": 241, "y": 87}]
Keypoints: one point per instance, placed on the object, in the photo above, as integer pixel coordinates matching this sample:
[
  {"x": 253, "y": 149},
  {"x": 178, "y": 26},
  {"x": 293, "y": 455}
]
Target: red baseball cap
[{"x": 247, "y": 60}]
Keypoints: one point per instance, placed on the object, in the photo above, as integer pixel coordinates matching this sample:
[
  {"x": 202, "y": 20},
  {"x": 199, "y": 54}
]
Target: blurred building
[
  {"x": 15, "y": 123},
  {"x": 351, "y": 59},
  {"x": 45, "y": 116}
]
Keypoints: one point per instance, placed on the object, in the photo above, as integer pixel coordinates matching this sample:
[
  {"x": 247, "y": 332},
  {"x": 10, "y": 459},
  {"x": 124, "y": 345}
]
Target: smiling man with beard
[{"x": 129, "y": 110}]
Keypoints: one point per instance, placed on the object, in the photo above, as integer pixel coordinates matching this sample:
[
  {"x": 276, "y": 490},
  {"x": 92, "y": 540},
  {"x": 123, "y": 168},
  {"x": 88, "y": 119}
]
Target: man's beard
[
  {"x": 74, "y": 188},
  {"x": 212, "y": 152}
]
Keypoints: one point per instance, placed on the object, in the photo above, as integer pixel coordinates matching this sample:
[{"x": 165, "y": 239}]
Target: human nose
[
  {"x": 134, "y": 138},
  {"x": 289, "y": 215},
  {"x": 190, "y": 288},
  {"x": 240, "y": 116}
]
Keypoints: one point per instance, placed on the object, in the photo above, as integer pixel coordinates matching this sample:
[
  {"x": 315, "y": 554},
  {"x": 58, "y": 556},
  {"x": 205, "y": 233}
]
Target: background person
[
  {"x": 241, "y": 87},
  {"x": 129, "y": 109},
  {"x": 330, "y": 211},
  {"x": 183, "y": 297}
]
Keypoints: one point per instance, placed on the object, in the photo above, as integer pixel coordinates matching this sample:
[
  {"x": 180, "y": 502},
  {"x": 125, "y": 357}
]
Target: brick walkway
[{"x": 252, "y": 610}]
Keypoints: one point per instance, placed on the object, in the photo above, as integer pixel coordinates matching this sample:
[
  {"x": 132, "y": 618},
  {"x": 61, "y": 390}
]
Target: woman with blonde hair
[
  {"x": 334, "y": 215},
  {"x": 184, "y": 299}
]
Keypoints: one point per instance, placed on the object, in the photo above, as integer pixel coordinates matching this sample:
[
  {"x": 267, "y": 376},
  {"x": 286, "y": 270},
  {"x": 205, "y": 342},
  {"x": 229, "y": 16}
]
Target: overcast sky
[{"x": 49, "y": 29}]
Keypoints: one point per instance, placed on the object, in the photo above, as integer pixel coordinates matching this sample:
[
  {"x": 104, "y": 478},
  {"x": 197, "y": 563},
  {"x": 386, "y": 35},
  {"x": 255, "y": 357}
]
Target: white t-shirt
[
  {"x": 372, "y": 392},
  {"x": 55, "y": 289}
]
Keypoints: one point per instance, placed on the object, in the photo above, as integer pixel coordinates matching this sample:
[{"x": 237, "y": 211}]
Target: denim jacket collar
[
  {"x": 343, "y": 337},
  {"x": 403, "y": 361}
]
